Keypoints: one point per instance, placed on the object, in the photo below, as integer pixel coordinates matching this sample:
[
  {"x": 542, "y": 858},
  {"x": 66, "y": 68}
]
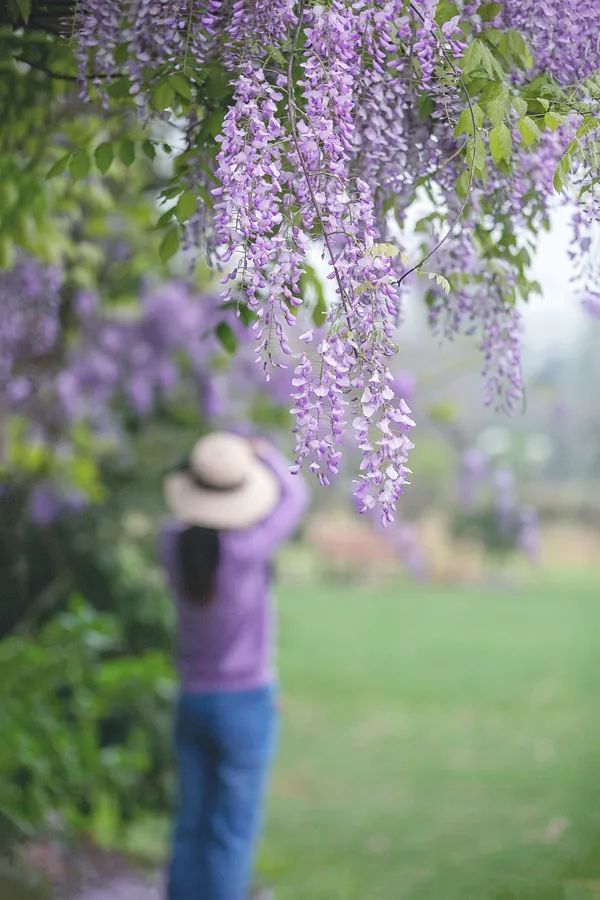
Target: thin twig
[
  {"x": 40, "y": 68},
  {"x": 64, "y": 77}
]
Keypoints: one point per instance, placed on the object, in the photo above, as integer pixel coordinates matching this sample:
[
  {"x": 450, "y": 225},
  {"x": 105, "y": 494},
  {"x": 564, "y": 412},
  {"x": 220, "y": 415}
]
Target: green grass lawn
[{"x": 437, "y": 744}]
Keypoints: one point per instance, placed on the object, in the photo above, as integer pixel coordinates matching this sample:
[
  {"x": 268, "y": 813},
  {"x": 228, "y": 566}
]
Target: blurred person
[{"x": 233, "y": 505}]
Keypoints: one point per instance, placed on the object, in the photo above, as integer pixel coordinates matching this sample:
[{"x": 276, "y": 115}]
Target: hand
[{"x": 259, "y": 444}]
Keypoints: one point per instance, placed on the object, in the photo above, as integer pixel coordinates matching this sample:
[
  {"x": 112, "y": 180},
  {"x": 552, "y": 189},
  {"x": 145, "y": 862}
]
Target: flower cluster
[
  {"x": 352, "y": 364},
  {"x": 563, "y": 36},
  {"x": 340, "y": 112},
  {"x": 156, "y": 33},
  {"x": 250, "y": 206},
  {"x": 479, "y": 309}
]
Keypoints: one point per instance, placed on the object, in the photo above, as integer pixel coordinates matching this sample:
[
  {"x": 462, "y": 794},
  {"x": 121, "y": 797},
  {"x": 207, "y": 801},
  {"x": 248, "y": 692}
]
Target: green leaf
[
  {"x": 276, "y": 55},
  {"x": 226, "y": 336},
  {"x": 181, "y": 85},
  {"x": 462, "y": 184},
  {"x": 363, "y": 287},
  {"x": 170, "y": 192},
  {"x": 426, "y": 106},
  {"x": 465, "y": 121},
  {"x": 500, "y": 143},
  {"x": 445, "y": 11},
  {"x": 384, "y": 249},
  {"x": 121, "y": 53},
  {"x": 217, "y": 81},
  {"x": 440, "y": 280},
  {"x": 169, "y": 244},
  {"x": 59, "y": 166},
  {"x": 518, "y": 49},
  {"x": 529, "y": 131},
  {"x": 24, "y": 7},
  {"x": 497, "y": 109},
  {"x": 443, "y": 412},
  {"x": 103, "y": 156},
  {"x": 557, "y": 181},
  {"x": 162, "y": 96},
  {"x": 589, "y": 124},
  {"x": 247, "y": 315},
  {"x": 545, "y": 104},
  {"x": 489, "y": 11},
  {"x": 520, "y": 105},
  {"x": 319, "y": 313},
  {"x": 149, "y": 149},
  {"x": 6, "y": 251},
  {"x": 472, "y": 57},
  {"x": 79, "y": 166},
  {"x": 422, "y": 225},
  {"x": 213, "y": 122},
  {"x": 310, "y": 283},
  {"x": 127, "y": 151},
  {"x": 476, "y": 155},
  {"x": 166, "y": 217},
  {"x": 478, "y": 55},
  {"x": 590, "y": 186},
  {"x": 491, "y": 64},
  {"x": 186, "y": 206},
  {"x": 205, "y": 195},
  {"x": 553, "y": 120},
  {"x": 562, "y": 173},
  {"x": 119, "y": 89}
]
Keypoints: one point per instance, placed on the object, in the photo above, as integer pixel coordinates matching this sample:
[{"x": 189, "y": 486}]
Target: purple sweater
[{"x": 227, "y": 644}]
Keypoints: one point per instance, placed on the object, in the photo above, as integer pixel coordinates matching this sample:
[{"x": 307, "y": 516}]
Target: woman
[{"x": 234, "y": 504}]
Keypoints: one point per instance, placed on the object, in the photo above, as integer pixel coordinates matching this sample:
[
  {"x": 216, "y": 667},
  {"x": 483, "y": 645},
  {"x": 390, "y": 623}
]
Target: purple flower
[
  {"x": 529, "y": 535},
  {"x": 563, "y": 35},
  {"x": 44, "y": 505},
  {"x": 473, "y": 467},
  {"x": 591, "y": 304},
  {"x": 29, "y": 317},
  {"x": 336, "y": 119}
]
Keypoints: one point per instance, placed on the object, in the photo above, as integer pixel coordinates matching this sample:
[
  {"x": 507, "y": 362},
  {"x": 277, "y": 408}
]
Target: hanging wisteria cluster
[{"x": 341, "y": 117}]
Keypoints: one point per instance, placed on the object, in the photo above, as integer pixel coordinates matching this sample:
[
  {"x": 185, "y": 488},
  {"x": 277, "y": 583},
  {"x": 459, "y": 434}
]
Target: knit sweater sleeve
[{"x": 261, "y": 541}]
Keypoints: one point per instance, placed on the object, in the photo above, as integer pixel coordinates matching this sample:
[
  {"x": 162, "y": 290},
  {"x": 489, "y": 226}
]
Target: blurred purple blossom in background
[
  {"x": 46, "y": 504},
  {"x": 591, "y": 304},
  {"x": 504, "y": 494},
  {"x": 29, "y": 318},
  {"x": 473, "y": 466},
  {"x": 529, "y": 533}
]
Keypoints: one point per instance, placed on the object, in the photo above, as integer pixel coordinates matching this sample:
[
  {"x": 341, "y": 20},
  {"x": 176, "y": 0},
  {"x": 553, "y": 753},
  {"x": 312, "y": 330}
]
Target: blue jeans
[{"x": 224, "y": 744}]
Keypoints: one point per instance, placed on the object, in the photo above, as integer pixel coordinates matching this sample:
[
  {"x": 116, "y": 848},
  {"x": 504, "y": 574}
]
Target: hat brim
[{"x": 229, "y": 509}]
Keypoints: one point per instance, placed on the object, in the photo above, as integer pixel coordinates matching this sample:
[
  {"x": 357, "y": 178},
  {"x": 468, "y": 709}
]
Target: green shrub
[{"x": 85, "y": 729}]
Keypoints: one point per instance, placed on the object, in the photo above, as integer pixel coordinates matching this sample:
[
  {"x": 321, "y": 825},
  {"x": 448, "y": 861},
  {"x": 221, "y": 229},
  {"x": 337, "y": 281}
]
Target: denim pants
[{"x": 224, "y": 744}]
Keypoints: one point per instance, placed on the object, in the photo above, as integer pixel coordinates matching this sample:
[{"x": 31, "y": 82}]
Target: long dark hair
[{"x": 198, "y": 553}]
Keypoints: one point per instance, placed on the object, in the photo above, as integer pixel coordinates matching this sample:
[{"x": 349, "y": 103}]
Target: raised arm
[{"x": 264, "y": 539}]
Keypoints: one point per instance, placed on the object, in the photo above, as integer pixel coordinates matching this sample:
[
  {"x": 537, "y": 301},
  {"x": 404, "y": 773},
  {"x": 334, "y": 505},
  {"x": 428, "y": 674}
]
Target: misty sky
[{"x": 554, "y": 321}]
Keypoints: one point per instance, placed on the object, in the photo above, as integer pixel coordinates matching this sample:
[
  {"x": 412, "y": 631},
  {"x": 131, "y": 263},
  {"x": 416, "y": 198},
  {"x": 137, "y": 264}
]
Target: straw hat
[{"x": 225, "y": 485}]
